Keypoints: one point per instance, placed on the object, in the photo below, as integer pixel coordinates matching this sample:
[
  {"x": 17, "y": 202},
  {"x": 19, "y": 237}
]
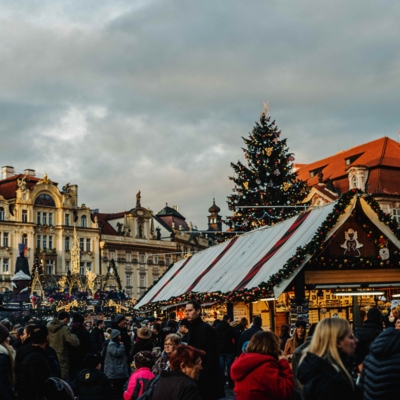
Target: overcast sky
[{"x": 119, "y": 96}]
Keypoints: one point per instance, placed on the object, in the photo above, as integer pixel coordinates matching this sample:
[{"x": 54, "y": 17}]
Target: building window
[
  {"x": 167, "y": 261},
  {"x": 128, "y": 280},
  {"x": 89, "y": 266},
  {"x": 1, "y": 214},
  {"x": 155, "y": 259},
  {"x": 6, "y": 266},
  {"x": 354, "y": 182},
  {"x": 82, "y": 269},
  {"x": 396, "y": 214},
  {"x": 44, "y": 218},
  {"x": 38, "y": 217},
  {"x": 50, "y": 219},
  {"x": 128, "y": 257},
  {"x": 67, "y": 219},
  {"x": 50, "y": 267},
  {"x": 50, "y": 242},
  {"x": 87, "y": 244},
  {"x": 83, "y": 221},
  {"x": 38, "y": 240},
  {"x": 142, "y": 258},
  {"x": 24, "y": 216},
  {"x": 67, "y": 245},
  {"x": 142, "y": 281},
  {"x": 25, "y": 239},
  {"x": 5, "y": 239},
  {"x": 67, "y": 266},
  {"x": 82, "y": 244},
  {"x": 44, "y": 241}
]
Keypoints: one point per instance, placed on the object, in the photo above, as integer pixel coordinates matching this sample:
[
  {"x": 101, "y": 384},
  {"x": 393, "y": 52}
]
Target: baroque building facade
[
  {"x": 372, "y": 167},
  {"x": 35, "y": 212}
]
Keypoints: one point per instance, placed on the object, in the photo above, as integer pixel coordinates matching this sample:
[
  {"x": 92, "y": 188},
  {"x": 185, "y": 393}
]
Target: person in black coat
[
  {"x": 6, "y": 366},
  {"x": 179, "y": 383},
  {"x": 77, "y": 354},
  {"x": 31, "y": 366},
  {"x": 120, "y": 324},
  {"x": 226, "y": 347},
  {"x": 380, "y": 376},
  {"x": 97, "y": 336},
  {"x": 367, "y": 333},
  {"x": 248, "y": 333},
  {"x": 91, "y": 383},
  {"x": 203, "y": 337},
  {"x": 239, "y": 329}
]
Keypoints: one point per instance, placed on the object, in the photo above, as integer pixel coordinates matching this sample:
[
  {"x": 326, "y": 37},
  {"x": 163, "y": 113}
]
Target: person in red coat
[{"x": 263, "y": 373}]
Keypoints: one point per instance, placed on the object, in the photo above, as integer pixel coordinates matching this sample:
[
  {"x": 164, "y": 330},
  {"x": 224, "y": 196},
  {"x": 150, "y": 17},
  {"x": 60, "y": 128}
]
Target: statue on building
[
  {"x": 45, "y": 180},
  {"x": 138, "y": 197},
  {"x": 320, "y": 177},
  {"x": 67, "y": 190},
  {"x": 22, "y": 183},
  {"x": 22, "y": 261},
  {"x": 158, "y": 230}
]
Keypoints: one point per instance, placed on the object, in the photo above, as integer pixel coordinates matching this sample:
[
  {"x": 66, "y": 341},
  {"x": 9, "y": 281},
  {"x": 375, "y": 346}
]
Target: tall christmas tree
[{"x": 267, "y": 180}]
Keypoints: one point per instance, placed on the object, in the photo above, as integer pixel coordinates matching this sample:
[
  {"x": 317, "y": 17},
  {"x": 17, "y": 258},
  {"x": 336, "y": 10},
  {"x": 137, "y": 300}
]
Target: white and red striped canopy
[{"x": 249, "y": 259}]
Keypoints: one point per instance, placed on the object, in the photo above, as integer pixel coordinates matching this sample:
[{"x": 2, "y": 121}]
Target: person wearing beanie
[
  {"x": 91, "y": 383},
  {"x": 60, "y": 338},
  {"x": 115, "y": 365},
  {"x": 120, "y": 324},
  {"x": 142, "y": 375},
  {"x": 77, "y": 354},
  {"x": 144, "y": 340},
  {"x": 367, "y": 333},
  {"x": 298, "y": 338},
  {"x": 6, "y": 366}
]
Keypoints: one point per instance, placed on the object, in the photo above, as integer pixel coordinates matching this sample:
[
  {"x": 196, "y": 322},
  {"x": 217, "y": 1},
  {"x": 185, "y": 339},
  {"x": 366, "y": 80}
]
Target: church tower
[{"x": 214, "y": 219}]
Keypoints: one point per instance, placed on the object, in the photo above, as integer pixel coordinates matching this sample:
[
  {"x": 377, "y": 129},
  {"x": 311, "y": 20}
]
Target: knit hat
[
  {"x": 114, "y": 334},
  {"x": 301, "y": 323},
  {"x": 91, "y": 361},
  {"x": 144, "y": 333},
  {"x": 3, "y": 333},
  {"x": 118, "y": 318},
  {"x": 144, "y": 359}
]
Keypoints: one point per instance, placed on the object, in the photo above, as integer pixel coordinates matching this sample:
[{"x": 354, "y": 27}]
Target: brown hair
[
  {"x": 265, "y": 342},
  {"x": 184, "y": 354}
]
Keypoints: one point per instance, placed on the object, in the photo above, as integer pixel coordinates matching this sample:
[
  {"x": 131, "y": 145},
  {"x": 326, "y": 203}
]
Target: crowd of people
[{"x": 192, "y": 360}]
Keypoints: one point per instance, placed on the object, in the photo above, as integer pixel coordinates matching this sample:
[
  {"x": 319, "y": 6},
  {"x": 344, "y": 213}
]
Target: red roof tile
[{"x": 9, "y": 185}]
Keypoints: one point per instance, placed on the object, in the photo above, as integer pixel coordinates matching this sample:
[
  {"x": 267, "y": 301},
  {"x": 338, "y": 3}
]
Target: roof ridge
[{"x": 383, "y": 151}]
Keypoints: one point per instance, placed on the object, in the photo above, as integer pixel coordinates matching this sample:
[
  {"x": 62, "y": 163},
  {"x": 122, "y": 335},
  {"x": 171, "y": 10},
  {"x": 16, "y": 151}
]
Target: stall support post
[
  {"x": 299, "y": 288},
  {"x": 272, "y": 316},
  {"x": 356, "y": 313}
]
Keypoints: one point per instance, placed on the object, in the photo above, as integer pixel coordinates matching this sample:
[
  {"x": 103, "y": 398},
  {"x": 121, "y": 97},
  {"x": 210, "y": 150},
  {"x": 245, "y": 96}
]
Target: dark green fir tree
[
  {"x": 36, "y": 266},
  {"x": 267, "y": 180}
]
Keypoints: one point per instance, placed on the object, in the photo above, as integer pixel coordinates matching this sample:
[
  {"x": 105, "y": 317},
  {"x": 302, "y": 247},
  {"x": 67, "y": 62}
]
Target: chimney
[
  {"x": 30, "y": 172},
  {"x": 175, "y": 208},
  {"x": 7, "y": 171}
]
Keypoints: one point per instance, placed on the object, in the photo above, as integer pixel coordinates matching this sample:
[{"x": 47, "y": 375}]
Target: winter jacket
[
  {"x": 225, "y": 338},
  {"x": 247, "y": 335},
  {"x": 97, "y": 337},
  {"x": 238, "y": 330},
  {"x": 366, "y": 334},
  {"x": 202, "y": 336},
  {"x": 289, "y": 346},
  {"x": 284, "y": 339},
  {"x": 175, "y": 385},
  {"x": 298, "y": 353},
  {"x": 31, "y": 371},
  {"x": 262, "y": 377},
  {"x": 380, "y": 376},
  {"x": 142, "y": 345},
  {"x": 92, "y": 384},
  {"x": 160, "y": 364},
  {"x": 6, "y": 373},
  {"x": 115, "y": 365},
  {"x": 322, "y": 381},
  {"x": 77, "y": 354},
  {"x": 138, "y": 380},
  {"x": 125, "y": 339},
  {"x": 59, "y": 337}
]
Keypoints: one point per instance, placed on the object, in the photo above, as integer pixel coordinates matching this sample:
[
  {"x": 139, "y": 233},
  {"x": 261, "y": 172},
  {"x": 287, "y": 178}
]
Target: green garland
[{"x": 265, "y": 289}]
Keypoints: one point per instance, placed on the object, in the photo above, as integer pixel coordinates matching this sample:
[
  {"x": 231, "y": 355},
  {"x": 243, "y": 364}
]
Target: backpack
[{"x": 149, "y": 389}]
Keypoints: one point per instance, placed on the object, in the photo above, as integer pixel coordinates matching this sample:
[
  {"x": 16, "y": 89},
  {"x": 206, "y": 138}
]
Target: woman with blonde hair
[
  {"x": 325, "y": 370},
  {"x": 6, "y": 366},
  {"x": 298, "y": 338},
  {"x": 263, "y": 373}
]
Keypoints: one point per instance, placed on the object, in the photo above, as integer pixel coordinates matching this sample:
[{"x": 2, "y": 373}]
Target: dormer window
[
  {"x": 351, "y": 159},
  {"x": 354, "y": 182}
]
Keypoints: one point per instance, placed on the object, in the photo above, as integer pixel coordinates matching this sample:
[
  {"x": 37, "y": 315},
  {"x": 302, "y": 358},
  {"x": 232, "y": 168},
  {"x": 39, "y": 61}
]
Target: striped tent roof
[{"x": 252, "y": 258}]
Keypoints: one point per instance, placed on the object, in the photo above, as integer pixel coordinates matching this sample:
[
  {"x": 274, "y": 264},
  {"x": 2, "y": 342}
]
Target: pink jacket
[{"x": 136, "y": 383}]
